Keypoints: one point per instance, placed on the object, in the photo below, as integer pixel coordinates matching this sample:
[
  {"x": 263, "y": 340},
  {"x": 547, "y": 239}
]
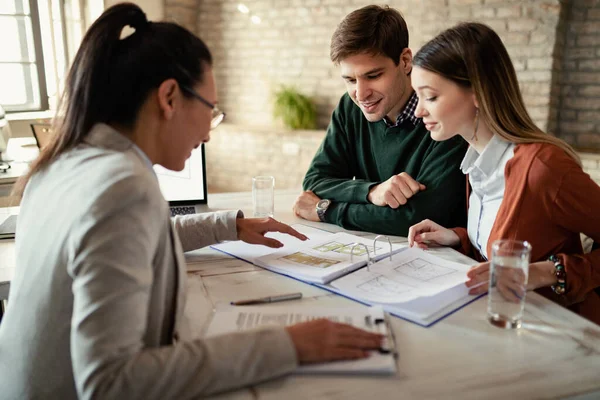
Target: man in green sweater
[{"x": 378, "y": 169}]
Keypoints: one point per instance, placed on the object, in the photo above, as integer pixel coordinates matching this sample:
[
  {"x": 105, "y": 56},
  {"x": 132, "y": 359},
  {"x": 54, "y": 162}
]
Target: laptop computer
[{"x": 185, "y": 190}]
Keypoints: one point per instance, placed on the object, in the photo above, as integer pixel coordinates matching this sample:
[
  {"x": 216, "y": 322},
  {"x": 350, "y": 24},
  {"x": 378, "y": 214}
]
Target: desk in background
[
  {"x": 555, "y": 355},
  {"x": 7, "y": 259},
  {"x": 20, "y": 152}
]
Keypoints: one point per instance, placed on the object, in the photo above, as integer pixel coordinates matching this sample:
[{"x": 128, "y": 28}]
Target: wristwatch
[{"x": 322, "y": 206}]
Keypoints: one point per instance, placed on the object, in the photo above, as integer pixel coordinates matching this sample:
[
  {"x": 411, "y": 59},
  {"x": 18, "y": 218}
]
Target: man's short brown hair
[{"x": 372, "y": 29}]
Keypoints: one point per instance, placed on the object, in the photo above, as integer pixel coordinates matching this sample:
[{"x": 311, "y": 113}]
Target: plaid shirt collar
[{"x": 407, "y": 114}]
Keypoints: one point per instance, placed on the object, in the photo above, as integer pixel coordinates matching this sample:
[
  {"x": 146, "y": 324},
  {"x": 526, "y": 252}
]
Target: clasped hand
[
  {"x": 305, "y": 206},
  {"x": 395, "y": 191}
]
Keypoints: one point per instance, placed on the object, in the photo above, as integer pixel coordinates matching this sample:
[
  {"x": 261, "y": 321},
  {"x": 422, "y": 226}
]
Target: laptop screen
[{"x": 186, "y": 187}]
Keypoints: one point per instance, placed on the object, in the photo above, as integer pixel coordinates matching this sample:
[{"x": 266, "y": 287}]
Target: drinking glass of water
[
  {"x": 263, "y": 196},
  {"x": 509, "y": 270}
]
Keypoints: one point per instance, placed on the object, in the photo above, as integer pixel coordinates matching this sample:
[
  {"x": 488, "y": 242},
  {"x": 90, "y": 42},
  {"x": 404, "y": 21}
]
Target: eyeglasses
[{"x": 217, "y": 115}]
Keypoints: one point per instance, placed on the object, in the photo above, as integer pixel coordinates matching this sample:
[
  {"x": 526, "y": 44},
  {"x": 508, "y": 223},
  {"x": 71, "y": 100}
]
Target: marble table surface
[{"x": 556, "y": 354}]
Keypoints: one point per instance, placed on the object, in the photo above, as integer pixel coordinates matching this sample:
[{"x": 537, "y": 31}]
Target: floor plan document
[
  {"x": 321, "y": 259},
  {"x": 324, "y": 260},
  {"x": 414, "y": 285}
]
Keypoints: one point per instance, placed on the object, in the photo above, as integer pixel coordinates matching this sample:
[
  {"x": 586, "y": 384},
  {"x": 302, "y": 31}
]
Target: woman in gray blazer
[{"x": 96, "y": 306}]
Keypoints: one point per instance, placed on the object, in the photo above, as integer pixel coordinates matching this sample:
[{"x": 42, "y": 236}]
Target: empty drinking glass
[{"x": 263, "y": 196}]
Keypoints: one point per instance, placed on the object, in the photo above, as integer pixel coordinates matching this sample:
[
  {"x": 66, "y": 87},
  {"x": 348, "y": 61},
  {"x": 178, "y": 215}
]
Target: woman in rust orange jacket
[{"x": 524, "y": 184}]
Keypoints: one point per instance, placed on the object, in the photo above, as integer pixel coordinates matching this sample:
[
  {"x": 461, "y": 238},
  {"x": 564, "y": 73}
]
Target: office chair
[{"x": 42, "y": 134}]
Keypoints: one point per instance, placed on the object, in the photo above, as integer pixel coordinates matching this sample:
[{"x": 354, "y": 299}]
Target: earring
[{"x": 474, "y": 137}]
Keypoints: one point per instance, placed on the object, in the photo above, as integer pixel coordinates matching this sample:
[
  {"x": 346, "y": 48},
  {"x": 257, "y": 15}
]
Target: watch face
[{"x": 323, "y": 204}]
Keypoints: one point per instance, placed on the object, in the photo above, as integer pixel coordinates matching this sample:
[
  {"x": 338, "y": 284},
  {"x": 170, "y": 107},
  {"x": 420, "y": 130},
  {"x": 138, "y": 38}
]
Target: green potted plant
[{"x": 296, "y": 110}]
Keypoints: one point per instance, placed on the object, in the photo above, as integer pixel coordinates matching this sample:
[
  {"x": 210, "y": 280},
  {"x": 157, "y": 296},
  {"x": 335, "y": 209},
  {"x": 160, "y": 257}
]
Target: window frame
[
  {"x": 39, "y": 55},
  {"x": 38, "y": 64}
]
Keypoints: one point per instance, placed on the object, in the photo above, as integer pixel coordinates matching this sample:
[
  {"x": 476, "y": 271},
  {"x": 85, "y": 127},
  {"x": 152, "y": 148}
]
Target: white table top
[{"x": 555, "y": 355}]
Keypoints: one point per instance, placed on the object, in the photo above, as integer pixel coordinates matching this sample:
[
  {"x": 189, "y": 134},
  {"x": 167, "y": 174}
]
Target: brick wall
[
  {"x": 184, "y": 12},
  {"x": 580, "y": 83},
  {"x": 554, "y": 45},
  {"x": 235, "y": 154},
  {"x": 528, "y": 30},
  {"x": 291, "y": 45}
]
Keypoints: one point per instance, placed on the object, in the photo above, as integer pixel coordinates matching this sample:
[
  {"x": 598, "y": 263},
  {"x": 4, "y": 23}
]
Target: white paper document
[
  {"x": 411, "y": 273},
  {"x": 415, "y": 285},
  {"x": 255, "y": 317},
  {"x": 321, "y": 261}
]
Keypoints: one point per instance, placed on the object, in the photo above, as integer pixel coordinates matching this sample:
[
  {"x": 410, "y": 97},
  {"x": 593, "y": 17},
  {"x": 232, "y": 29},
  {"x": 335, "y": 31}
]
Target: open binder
[
  {"x": 407, "y": 282},
  {"x": 323, "y": 260}
]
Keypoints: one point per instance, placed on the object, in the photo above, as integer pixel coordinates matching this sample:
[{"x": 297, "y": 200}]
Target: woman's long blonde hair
[{"x": 473, "y": 56}]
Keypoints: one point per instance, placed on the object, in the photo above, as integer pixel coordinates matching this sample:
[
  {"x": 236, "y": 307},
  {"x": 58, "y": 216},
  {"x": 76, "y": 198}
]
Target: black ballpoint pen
[{"x": 268, "y": 299}]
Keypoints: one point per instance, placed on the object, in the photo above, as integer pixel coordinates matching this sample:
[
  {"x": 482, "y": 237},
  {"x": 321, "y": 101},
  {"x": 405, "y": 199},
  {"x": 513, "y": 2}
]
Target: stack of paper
[{"x": 255, "y": 317}]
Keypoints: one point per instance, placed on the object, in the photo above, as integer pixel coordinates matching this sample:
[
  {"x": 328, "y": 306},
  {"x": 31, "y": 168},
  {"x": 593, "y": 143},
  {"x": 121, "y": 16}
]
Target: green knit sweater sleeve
[
  {"x": 443, "y": 201},
  {"x": 332, "y": 171}
]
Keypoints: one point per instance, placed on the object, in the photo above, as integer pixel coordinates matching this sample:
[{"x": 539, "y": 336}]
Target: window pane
[
  {"x": 74, "y": 28},
  {"x": 14, "y": 7},
  {"x": 58, "y": 43},
  {"x": 48, "y": 49},
  {"x": 20, "y": 48},
  {"x": 19, "y": 85}
]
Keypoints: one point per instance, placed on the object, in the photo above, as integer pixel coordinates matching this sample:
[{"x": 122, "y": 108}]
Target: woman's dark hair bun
[{"x": 138, "y": 20}]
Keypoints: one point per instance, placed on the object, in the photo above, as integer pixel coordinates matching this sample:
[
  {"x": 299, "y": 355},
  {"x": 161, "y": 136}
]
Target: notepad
[
  {"x": 8, "y": 227},
  {"x": 256, "y": 317}
]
